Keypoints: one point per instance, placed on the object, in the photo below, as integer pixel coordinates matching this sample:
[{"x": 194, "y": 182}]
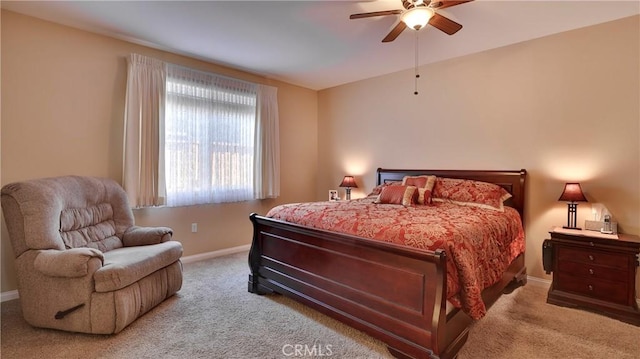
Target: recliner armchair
[{"x": 82, "y": 264}]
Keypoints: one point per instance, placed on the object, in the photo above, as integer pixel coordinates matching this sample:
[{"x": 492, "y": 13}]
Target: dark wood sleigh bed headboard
[{"x": 513, "y": 181}]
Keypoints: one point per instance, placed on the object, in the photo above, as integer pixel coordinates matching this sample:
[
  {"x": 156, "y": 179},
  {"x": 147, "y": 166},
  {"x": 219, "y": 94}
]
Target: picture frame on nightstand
[{"x": 333, "y": 195}]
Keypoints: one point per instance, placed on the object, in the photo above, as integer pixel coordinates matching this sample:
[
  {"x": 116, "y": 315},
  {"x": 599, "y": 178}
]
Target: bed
[{"x": 395, "y": 293}]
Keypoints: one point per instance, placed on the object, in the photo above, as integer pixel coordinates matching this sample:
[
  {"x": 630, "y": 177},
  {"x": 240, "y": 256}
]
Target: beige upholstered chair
[{"x": 82, "y": 264}]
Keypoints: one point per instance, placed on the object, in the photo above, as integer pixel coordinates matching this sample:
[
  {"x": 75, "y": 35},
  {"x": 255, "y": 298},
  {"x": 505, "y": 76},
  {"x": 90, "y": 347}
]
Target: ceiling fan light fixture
[{"x": 417, "y": 17}]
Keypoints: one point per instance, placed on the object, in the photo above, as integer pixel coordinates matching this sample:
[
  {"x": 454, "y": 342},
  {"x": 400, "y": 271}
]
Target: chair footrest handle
[{"x": 61, "y": 314}]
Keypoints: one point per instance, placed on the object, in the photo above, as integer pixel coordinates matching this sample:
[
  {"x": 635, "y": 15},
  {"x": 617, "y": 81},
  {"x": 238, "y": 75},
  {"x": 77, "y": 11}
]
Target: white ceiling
[{"x": 314, "y": 44}]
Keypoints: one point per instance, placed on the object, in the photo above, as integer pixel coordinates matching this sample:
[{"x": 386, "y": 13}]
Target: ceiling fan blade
[
  {"x": 395, "y": 32},
  {"x": 375, "y": 13},
  {"x": 445, "y": 4},
  {"x": 444, "y": 24}
]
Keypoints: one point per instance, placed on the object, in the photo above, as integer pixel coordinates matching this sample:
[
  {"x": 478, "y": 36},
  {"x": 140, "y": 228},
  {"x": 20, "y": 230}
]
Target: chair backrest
[{"x": 66, "y": 212}]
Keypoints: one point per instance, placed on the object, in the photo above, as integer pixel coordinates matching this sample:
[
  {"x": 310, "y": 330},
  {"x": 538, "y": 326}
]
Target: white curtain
[
  {"x": 143, "y": 166},
  {"x": 267, "y": 144},
  {"x": 210, "y": 124}
]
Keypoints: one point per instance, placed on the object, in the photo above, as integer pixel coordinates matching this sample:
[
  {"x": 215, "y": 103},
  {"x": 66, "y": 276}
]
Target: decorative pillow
[
  {"x": 470, "y": 193},
  {"x": 425, "y": 186},
  {"x": 378, "y": 189},
  {"x": 404, "y": 195}
]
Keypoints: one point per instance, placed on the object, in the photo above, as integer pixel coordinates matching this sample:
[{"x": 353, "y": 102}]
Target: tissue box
[{"x": 598, "y": 225}]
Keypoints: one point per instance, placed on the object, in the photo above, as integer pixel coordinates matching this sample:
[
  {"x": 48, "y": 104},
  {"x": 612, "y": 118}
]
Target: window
[
  {"x": 210, "y": 124},
  {"x": 193, "y": 137}
]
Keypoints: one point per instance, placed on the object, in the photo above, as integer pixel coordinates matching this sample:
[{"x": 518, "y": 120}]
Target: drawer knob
[
  {"x": 590, "y": 271},
  {"x": 590, "y": 287},
  {"x": 591, "y": 244},
  {"x": 590, "y": 257}
]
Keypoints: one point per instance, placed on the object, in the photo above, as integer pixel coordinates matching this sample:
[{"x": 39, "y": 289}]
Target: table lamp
[
  {"x": 348, "y": 182},
  {"x": 572, "y": 193}
]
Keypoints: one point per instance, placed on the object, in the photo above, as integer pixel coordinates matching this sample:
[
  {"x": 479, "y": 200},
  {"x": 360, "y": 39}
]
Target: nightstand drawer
[
  {"x": 616, "y": 292},
  {"x": 592, "y": 257},
  {"x": 588, "y": 270}
]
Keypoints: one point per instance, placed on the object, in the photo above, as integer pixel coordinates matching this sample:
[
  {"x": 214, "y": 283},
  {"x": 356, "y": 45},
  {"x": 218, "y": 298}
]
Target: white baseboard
[
  {"x": 13, "y": 294},
  {"x": 10, "y": 295},
  {"x": 539, "y": 281},
  {"x": 214, "y": 254}
]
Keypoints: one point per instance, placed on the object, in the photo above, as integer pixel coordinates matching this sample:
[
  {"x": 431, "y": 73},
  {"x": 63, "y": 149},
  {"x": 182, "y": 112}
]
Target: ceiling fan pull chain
[{"x": 415, "y": 92}]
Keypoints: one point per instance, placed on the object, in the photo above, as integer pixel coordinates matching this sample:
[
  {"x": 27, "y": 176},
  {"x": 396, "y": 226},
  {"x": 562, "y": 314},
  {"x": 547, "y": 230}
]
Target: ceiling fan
[{"x": 417, "y": 14}]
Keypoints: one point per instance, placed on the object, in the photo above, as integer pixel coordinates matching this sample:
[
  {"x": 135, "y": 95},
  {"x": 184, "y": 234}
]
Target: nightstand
[{"x": 593, "y": 271}]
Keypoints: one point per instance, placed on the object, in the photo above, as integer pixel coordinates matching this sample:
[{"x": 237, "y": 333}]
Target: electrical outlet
[{"x": 194, "y": 227}]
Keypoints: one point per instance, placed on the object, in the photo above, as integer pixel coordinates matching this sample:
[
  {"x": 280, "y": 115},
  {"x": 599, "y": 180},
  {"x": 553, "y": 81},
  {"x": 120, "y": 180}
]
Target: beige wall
[
  {"x": 62, "y": 106},
  {"x": 565, "y": 107}
]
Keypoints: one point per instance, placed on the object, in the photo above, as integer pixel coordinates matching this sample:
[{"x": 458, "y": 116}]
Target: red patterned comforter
[{"x": 480, "y": 243}]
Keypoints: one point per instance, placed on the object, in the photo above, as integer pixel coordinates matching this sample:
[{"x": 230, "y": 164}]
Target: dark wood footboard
[{"x": 394, "y": 293}]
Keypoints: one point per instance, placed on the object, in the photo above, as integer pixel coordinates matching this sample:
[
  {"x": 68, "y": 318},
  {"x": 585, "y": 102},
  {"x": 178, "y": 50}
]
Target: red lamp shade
[
  {"x": 572, "y": 193},
  {"x": 349, "y": 182}
]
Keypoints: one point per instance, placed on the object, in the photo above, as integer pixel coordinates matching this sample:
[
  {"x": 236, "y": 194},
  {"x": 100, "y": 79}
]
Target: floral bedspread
[{"x": 480, "y": 243}]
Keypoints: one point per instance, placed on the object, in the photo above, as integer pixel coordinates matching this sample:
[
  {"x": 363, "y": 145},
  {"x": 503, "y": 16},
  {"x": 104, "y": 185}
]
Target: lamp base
[
  {"x": 572, "y": 212},
  {"x": 567, "y": 227}
]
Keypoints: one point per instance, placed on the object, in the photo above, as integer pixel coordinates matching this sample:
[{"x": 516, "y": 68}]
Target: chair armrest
[
  {"x": 70, "y": 263},
  {"x": 142, "y": 236}
]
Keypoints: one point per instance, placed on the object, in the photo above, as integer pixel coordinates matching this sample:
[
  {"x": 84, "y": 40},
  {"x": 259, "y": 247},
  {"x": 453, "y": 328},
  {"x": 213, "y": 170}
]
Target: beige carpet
[{"x": 214, "y": 316}]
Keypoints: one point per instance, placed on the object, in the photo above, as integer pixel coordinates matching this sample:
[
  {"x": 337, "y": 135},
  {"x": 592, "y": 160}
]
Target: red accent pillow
[
  {"x": 378, "y": 189},
  {"x": 404, "y": 195},
  {"x": 470, "y": 193},
  {"x": 425, "y": 186},
  {"x": 424, "y": 196}
]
